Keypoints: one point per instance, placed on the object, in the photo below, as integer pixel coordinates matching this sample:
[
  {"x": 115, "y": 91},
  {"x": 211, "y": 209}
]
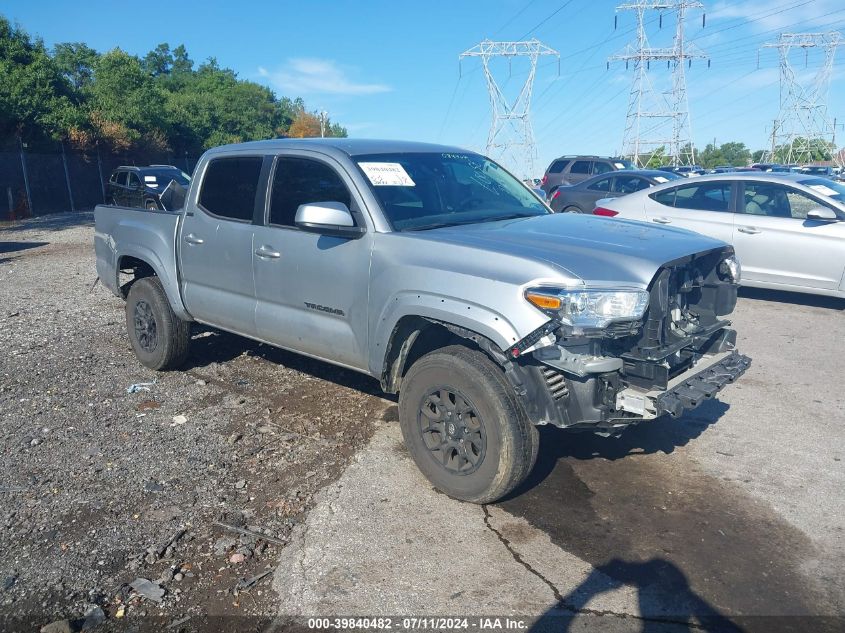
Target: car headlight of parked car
[
  {"x": 589, "y": 308},
  {"x": 730, "y": 270}
]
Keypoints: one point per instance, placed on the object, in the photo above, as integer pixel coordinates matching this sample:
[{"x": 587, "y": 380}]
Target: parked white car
[{"x": 788, "y": 230}]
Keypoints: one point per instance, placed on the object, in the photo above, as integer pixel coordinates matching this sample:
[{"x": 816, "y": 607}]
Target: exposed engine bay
[{"x": 679, "y": 354}]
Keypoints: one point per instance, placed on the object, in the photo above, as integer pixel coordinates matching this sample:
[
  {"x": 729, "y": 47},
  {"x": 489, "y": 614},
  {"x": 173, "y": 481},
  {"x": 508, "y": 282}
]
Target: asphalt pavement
[{"x": 720, "y": 520}]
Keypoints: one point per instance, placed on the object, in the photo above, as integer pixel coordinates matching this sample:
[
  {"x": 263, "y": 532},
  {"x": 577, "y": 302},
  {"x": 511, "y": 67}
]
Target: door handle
[
  {"x": 662, "y": 220},
  {"x": 268, "y": 252},
  {"x": 190, "y": 238},
  {"x": 750, "y": 230}
]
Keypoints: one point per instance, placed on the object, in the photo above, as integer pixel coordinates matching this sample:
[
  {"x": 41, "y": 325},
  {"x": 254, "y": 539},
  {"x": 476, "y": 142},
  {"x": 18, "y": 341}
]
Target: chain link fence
[{"x": 38, "y": 179}]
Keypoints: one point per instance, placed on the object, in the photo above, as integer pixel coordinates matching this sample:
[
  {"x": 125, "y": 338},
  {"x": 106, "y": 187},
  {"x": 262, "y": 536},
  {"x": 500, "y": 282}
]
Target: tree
[
  {"x": 736, "y": 154},
  {"x": 35, "y": 98},
  {"x": 160, "y": 101}
]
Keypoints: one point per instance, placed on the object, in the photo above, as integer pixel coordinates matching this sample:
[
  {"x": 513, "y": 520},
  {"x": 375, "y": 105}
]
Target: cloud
[{"x": 309, "y": 76}]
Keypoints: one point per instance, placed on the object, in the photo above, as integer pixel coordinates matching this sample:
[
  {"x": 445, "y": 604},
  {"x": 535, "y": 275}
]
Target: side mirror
[
  {"x": 328, "y": 218},
  {"x": 822, "y": 214}
]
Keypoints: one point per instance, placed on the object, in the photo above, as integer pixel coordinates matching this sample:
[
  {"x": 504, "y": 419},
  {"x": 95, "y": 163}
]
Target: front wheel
[
  {"x": 572, "y": 209},
  {"x": 159, "y": 338},
  {"x": 464, "y": 427}
]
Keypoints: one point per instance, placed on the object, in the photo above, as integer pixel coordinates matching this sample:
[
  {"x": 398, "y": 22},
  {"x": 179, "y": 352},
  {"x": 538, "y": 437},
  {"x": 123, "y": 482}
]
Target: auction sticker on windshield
[{"x": 387, "y": 174}]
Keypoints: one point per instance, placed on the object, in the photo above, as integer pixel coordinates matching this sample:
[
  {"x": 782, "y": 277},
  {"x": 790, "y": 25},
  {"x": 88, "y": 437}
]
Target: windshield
[
  {"x": 431, "y": 190},
  {"x": 623, "y": 164},
  {"x": 160, "y": 178},
  {"x": 826, "y": 187}
]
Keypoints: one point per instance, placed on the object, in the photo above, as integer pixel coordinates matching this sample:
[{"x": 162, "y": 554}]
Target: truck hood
[{"x": 583, "y": 247}]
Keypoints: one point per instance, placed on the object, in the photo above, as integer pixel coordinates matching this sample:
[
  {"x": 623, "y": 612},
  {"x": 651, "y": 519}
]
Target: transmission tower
[
  {"x": 511, "y": 139},
  {"x": 659, "y": 119},
  {"x": 802, "y": 117}
]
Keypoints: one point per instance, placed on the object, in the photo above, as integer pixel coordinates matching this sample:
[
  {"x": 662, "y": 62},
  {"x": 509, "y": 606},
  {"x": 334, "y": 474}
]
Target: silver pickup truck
[{"x": 434, "y": 270}]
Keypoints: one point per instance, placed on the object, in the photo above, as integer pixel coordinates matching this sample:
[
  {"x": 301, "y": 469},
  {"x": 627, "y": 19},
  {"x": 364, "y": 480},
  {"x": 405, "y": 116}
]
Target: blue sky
[{"x": 389, "y": 69}]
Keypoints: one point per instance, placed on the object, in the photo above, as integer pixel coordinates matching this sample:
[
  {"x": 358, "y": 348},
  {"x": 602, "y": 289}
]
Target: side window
[
  {"x": 229, "y": 187},
  {"x": 558, "y": 166},
  {"x": 602, "y": 184},
  {"x": 120, "y": 178},
  {"x": 600, "y": 167},
  {"x": 134, "y": 181},
  {"x": 580, "y": 167},
  {"x": 777, "y": 201},
  {"x": 800, "y": 204},
  {"x": 113, "y": 177},
  {"x": 300, "y": 181},
  {"x": 629, "y": 184},
  {"x": 705, "y": 196},
  {"x": 665, "y": 197}
]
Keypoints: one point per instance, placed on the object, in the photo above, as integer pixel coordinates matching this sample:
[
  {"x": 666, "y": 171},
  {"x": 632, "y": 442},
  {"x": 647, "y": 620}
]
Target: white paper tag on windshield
[
  {"x": 661, "y": 179},
  {"x": 387, "y": 174},
  {"x": 823, "y": 189}
]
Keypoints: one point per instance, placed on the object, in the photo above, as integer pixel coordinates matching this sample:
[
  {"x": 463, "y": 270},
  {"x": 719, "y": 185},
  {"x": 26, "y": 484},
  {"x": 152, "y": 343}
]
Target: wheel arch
[
  {"x": 413, "y": 336},
  {"x": 145, "y": 263}
]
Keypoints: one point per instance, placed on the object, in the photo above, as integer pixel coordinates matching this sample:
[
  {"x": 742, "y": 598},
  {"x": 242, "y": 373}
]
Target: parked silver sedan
[{"x": 788, "y": 230}]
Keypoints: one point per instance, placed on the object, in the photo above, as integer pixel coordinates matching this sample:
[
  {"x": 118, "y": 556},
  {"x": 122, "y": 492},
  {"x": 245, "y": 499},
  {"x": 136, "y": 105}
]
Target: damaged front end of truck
[{"x": 610, "y": 356}]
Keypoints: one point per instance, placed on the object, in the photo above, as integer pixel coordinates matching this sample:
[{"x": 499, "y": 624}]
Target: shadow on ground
[
  {"x": 641, "y": 512},
  {"x": 657, "y": 581},
  {"x": 54, "y": 222},
  {"x": 15, "y": 247},
  {"x": 792, "y": 298},
  {"x": 215, "y": 346}
]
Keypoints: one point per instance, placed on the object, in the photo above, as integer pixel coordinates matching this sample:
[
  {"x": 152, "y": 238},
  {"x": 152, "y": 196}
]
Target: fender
[
  {"x": 168, "y": 281},
  {"x": 447, "y": 310}
]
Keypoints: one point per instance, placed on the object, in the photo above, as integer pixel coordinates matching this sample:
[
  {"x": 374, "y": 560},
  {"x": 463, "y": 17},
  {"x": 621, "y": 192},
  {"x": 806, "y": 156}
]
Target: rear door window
[
  {"x": 629, "y": 184},
  {"x": 229, "y": 187},
  {"x": 600, "y": 167},
  {"x": 300, "y": 181},
  {"x": 705, "y": 196},
  {"x": 602, "y": 184},
  {"x": 558, "y": 166},
  {"x": 580, "y": 167}
]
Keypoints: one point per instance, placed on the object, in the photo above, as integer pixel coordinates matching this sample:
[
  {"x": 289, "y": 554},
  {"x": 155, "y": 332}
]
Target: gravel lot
[{"x": 101, "y": 487}]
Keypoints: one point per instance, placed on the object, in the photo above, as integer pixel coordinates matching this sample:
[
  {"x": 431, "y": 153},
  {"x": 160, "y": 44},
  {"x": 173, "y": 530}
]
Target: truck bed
[{"x": 122, "y": 233}]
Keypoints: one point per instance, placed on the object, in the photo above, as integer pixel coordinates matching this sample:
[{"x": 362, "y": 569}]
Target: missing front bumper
[{"x": 688, "y": 390}]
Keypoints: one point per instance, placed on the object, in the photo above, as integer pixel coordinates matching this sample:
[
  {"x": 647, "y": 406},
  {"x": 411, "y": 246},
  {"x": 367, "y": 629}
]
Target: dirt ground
[{"x": 102, "y": 485}]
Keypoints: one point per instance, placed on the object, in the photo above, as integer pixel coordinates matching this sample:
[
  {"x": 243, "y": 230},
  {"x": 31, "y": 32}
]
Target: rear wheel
[
  {"x": 464, "y": 427},
  {"x": 159, "y": 338},
  {"x": 572, "y": 209},
  {"x": 151, "y": 205}
]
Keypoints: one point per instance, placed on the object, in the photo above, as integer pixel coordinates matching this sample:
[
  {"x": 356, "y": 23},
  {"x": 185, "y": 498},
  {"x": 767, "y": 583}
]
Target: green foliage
[
  {"x": 805, "y": 150},
  {"x": 161, "y": 101}
]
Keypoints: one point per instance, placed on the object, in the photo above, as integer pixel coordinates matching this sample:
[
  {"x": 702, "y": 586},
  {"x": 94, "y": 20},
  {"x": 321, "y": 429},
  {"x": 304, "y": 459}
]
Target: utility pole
[
  {"x": 802, "y": 117},
  {"x": 659, "y": 120},
  {"x": 511, "y": 138},
  {"x": 323, "y": 118}
]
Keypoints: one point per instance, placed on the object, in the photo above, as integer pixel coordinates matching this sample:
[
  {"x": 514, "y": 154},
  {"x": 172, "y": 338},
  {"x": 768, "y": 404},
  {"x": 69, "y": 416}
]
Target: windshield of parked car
[
  {"x": 160, "y": 178},
  {"x": 422, "y": 191},
  {"x": 825, "y": 187}
]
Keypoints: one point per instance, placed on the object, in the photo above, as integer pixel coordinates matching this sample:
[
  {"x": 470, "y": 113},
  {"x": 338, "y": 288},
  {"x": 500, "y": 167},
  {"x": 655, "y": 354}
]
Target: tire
[
  {"x": 500, "y": 445},
  {"x": 572, "y": 209},
  {"x": 151, "y": 205},
  {"x": 159, "y": 338}
]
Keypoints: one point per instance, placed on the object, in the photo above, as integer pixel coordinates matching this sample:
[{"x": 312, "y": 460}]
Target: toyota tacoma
[{"x": 437, "y": 272}]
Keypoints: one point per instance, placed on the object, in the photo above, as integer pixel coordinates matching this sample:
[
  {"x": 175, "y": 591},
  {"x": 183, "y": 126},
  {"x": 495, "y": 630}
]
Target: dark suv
[
  {"x": 142, "y": 187},
  {"x": 569, "y": 170}
]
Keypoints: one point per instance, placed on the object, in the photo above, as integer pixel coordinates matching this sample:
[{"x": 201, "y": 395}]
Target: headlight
[
  {"x": 730, "y": 270},
  {"x": 589, "y": 308}
]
